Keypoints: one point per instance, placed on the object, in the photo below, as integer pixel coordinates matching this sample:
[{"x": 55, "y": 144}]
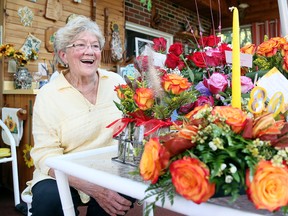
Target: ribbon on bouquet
[
  {"x": 152, "y": 125},
  {"x": 119, "y": 125}
]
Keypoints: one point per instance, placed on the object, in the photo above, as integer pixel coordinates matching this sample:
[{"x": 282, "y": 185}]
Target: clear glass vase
[
  {"x": 22, "y": 78},
  {"x": 139, "y": 140}
]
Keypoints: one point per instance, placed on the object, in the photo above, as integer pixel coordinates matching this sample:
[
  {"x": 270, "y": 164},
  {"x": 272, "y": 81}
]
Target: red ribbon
[
  {"x": 151, "y": 125},
  {"x": 119, "y": 125}
]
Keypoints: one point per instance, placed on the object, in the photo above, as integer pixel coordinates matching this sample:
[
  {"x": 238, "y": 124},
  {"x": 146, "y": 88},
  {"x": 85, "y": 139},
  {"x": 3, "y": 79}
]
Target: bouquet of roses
[
  {"x": 220, "y": 150},
  {"x": 271, "y": 53},
  {"x": 151, "y": 96}
]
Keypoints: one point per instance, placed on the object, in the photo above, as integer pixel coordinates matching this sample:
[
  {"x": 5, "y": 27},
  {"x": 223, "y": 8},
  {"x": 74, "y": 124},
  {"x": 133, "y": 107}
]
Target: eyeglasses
[{"x": 81, "y": 47}]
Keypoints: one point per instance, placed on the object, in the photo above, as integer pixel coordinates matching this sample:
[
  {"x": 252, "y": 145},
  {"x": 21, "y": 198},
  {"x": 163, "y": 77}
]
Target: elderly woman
[{"x": 70, "y": 115}]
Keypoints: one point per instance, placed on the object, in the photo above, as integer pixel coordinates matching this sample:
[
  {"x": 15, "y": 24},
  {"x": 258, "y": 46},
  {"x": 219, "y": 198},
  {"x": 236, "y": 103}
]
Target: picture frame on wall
[{"x": 140, "y": 44}]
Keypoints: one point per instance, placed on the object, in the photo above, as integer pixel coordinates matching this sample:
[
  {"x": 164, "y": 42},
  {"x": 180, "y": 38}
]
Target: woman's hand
[{"x": 112, "y": 202}]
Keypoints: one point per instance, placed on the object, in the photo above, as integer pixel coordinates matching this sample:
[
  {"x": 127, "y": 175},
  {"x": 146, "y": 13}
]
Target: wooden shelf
[{"x": 8, "y": 88}]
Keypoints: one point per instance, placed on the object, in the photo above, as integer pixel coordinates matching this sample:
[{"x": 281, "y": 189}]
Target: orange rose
[
  {"x": 248, "y": 49},
  {"x": 120, "y": 89},
  {"x": 285, "y": 63},
  {"x": 153, "y": 160},
  {"x": 235, "y": 117},
  {"x": 175, "y": 84},
  {"x": 265, "y": 125},
  {"x": 268, "y": 188},
  {"x": 284, "y": 50},
  {"x": 191, "y": 179},
  {"x": 196, "y": 122},
  {"x": 280, "y": 41},
  {"x": 267, "y": 48},
  {"x": 144, "y": 98}
]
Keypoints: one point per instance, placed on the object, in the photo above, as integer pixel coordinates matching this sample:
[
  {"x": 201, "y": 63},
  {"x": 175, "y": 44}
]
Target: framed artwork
[
  {"x": 30, "y": 43},
  {"x": 49, "y": 38},
  {"x": 140, "y": 44}
]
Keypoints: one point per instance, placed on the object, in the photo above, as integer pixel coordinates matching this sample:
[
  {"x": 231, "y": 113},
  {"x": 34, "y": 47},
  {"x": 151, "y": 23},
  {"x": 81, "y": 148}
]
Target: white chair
[
  {"x": 12, "y": 157},
  {"x": 26, "y": 196}
]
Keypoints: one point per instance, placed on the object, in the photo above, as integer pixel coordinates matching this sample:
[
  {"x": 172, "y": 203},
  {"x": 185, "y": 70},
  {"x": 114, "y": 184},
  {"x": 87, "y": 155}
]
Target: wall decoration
[
  {"x": 26, "y": 16},
  {"x": 116, "y": 45},
  {"x": 31, "y": 43},
  {"x": 49, "y": 38},
  {"x": 70, "y": 17},
  {"x": 53, "y": 9},
  {"x": 140, "y": 44}
]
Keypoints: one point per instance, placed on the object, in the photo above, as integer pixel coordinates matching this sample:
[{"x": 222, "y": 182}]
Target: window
[{"x": 245, "y": 35}]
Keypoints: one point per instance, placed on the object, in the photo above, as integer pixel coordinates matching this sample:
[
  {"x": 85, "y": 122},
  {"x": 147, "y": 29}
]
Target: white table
[{"x": 97, "y": 167}]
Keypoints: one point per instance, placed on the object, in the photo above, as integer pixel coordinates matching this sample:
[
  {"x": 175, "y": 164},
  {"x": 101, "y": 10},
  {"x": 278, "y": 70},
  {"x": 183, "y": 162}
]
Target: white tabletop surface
[{"x": 97, "y": 167}]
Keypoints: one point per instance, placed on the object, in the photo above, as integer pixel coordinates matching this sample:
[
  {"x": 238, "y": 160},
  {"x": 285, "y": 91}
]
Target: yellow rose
[
  {"x": 268, "y": 188},
  {"x": 191, "y": 179},
  {"x": 144, "y": 98},
  {"x": 175, "y": 84},
  {"x": 235, "y": 117},
  {"x": 153, "y": 160}
]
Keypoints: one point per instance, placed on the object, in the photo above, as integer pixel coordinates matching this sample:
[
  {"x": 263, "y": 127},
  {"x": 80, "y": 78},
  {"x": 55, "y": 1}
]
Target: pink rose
[
  {"x": 214, "y": 57},
  {"x": 216, "y": 83},
  {"x": 204, "y": 100},
  {"x": 246, "y": 84}
]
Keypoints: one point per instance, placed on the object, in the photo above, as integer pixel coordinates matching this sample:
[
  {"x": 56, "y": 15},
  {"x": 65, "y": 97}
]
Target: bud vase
[
  {"x": 125, "y": 149},
  {"x": 22, "y": 78},
  {"x": 139, "y": 140}
]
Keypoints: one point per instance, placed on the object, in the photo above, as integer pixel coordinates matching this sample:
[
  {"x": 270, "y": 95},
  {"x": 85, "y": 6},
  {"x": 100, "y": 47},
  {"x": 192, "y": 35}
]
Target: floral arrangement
[
  {"x": 151, "y": 96},
  {"x": 220, "y": 149},
  {"x": 212, "y": 148},
  {"x": 8, "y": 51},
  {"x": 206, "y": 67},
  {"x": 271, "y": 53}
]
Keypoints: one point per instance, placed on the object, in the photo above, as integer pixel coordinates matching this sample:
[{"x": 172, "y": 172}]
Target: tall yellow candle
[{"x": 236, "y": 80}]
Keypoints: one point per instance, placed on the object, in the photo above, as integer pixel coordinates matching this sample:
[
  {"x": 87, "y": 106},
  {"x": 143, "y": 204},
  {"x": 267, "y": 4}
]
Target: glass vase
[
  {"x": 125, "y": 149},
  {"x": 139, "y": 140},
  {"x": 22, "y": 78}
]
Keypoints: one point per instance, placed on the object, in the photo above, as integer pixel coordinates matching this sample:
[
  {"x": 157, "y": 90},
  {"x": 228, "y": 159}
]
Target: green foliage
[
  {"x": 147, "y": 3},
  {"x": 162, "y": 190}
]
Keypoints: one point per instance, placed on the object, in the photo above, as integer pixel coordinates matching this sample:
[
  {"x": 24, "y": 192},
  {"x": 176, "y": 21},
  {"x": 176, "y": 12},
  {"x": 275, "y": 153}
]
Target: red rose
[
  {"x": 209, "y": 41},
  {"x": 176, "y": 49},
  {"x": 159, "y": 45},
  {"x": 198, "y": 59},
  {"x": 173, "y": 61}
]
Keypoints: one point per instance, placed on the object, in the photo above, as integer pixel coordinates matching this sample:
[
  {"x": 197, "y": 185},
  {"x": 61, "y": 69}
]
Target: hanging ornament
[{"x": 26, "y": 16}]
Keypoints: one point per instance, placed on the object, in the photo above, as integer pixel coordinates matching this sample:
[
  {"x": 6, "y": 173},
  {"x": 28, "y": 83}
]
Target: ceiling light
[{"x": 243, "y": 5}]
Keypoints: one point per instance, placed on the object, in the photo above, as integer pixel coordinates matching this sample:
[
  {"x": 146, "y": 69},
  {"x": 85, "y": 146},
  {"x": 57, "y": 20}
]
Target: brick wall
[{"x": 173, "y": 17}]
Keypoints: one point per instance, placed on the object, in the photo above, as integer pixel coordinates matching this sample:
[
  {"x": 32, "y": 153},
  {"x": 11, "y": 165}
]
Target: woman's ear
[{"x": 63, "y": 55}]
